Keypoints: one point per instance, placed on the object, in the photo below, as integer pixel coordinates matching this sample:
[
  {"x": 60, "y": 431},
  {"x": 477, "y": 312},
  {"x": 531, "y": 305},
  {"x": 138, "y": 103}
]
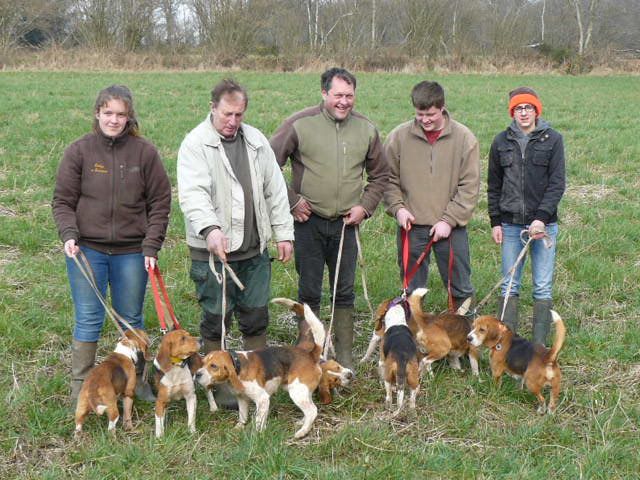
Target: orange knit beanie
[{"x": 524, "y": 95}]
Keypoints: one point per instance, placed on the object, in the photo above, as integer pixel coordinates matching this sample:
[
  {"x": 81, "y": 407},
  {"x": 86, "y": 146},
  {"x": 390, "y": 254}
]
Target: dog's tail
[
  {"x": 415, "y": 301},
  {"x": 304, "y": 312},
  {"x": 561, "y": 333}
]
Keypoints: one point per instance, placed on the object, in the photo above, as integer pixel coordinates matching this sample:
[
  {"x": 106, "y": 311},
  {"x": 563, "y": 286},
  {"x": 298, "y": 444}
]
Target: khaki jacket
[
  {"x": 210, "y": 193},
  {"x": 434, "y": 182},
  {"x": 328, "y": 159}
]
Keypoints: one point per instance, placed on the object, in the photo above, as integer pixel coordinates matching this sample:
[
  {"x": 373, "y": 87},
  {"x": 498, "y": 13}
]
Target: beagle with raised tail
[
  {"x": 176, "y": 363},
  {"x": 398, "y": 356},
  {"x": 115, "y": 377},
  {"x": 256, "y": 375},
  {"x": 334, "y": 375},
  {"x": 534, "y": 363},
  {"x": 436, "y": 336},
  {"x": 442, "y": 335}
]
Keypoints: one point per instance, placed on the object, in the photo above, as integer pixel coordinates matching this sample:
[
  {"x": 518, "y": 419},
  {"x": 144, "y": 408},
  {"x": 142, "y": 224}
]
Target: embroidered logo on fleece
[{"x": 99, "y": 168}]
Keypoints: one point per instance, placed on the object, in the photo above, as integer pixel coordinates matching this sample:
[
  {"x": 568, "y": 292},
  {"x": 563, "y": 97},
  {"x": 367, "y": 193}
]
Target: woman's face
[{"x": 112, "y": 117}]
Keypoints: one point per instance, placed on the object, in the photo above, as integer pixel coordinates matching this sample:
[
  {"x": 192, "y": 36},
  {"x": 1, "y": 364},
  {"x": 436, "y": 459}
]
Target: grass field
[{"x": 464, "y": 428}]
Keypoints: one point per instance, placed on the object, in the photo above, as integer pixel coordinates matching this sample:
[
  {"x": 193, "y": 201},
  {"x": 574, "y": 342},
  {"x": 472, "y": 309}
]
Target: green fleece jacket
[
  {"x": 328, "y": 158},
  {"x": 434, "y": 182}
]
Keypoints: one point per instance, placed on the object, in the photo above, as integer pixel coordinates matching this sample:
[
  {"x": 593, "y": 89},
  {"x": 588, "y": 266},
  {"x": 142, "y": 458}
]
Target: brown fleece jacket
[
  {"x": 434, "y": 182},
  {"x": 112, "y": 195}
]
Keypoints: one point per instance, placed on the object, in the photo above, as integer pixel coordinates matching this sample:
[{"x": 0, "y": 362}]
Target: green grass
[{"x": 463, "y": 429}]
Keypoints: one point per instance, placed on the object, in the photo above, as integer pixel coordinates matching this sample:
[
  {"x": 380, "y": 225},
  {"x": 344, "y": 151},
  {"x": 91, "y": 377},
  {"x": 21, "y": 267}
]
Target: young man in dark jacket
[{"x": 526, "y": 181}]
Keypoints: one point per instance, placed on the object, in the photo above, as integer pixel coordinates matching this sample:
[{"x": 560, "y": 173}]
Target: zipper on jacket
[
  {"x": 114, "y": 189},
  {"x": 338, "y": 164},
  {"x": 522, "y": 179}
]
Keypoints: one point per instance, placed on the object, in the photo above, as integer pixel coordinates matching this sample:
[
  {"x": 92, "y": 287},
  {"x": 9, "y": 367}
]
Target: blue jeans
[
  {"x": 127, "y": 280},
  {"x": 543, "y": 260}
]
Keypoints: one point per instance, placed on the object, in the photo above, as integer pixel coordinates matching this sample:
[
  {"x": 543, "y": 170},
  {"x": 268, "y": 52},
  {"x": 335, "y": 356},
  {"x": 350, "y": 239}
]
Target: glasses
[{"x": 524, "y": 108}]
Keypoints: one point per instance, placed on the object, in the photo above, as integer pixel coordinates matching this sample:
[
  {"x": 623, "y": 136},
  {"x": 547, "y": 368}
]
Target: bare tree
[{"x": 585, "y": 14}]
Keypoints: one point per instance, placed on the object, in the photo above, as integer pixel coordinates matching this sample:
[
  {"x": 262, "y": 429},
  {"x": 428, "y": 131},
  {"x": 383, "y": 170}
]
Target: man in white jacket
[{"x": 233, "y": 197}]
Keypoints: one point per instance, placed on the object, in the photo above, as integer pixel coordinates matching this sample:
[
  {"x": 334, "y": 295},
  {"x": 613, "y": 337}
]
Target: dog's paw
[
  {"x": 128, "y": 425},
  {"x": 239, "y": 426}
]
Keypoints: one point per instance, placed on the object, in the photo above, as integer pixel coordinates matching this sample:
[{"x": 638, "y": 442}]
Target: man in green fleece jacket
[
  {"x": 433, "y": 188},
  {"x": 330, "y": 146}
]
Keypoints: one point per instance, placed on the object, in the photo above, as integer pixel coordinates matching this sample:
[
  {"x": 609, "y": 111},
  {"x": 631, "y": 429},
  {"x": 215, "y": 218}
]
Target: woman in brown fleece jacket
[{"x": 111, "y": 200}]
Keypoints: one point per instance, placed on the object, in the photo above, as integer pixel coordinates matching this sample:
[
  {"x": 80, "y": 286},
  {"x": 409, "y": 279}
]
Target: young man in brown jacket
[
  {"x": 433, "y": 187},
  {"x": 330, "y": 146}
]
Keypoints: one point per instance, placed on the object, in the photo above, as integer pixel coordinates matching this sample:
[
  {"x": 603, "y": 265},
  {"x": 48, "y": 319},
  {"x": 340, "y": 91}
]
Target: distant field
[{"x": 464, "y": 428}]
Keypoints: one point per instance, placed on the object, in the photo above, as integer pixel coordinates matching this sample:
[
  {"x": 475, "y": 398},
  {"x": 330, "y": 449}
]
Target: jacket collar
[
  {"x": 111, "y": 141},
  {"x": 213, "y": 138},
  {"x": 416, "y": 129},
  {"x": 331, "y": 118}
]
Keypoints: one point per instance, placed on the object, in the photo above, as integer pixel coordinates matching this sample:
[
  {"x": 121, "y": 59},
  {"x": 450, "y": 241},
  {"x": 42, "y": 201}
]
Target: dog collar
[
  {"x": 179, "y": 361},
  {"x": 498, "y": 346},
  {"x": 235, "y": 359},
  {"x": 402, "y": 300}
]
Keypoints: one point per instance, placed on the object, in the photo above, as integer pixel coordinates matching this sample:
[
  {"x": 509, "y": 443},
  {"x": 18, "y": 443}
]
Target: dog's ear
[
  {"x": 163, "y": 358},
  {"x": 379, "y": 316},
  {"x": 195, "y": 363},
  {"x": 324, "y": 392}
]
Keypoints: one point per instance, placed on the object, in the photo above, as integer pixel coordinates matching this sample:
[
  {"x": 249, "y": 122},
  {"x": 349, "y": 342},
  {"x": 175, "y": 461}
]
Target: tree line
[{"x": 385, "y": 33}]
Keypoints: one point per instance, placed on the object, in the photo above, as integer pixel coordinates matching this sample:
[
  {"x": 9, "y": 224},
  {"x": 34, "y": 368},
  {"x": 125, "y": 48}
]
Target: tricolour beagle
[
  {"x": 536, "y": 364},
  {"x": 176, "y": 362},
  {"x": 256, "y": 375},
  {"x": 398, "y": 362},
  {"x": 115, "y": 377},
  {"x": 437, "y": 335}
]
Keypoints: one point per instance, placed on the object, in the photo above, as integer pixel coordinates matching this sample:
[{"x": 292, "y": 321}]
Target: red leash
[
  {"x": 405, "y": 263},
  {"x": 162, "y": 304}
]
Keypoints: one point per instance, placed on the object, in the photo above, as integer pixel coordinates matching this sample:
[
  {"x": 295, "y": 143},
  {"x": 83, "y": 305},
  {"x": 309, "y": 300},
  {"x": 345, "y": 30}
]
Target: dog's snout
[
  {"x": 469, "y": 338},
  {"x": 198, "y": 374},
  {"x": 349, "y": 375}
]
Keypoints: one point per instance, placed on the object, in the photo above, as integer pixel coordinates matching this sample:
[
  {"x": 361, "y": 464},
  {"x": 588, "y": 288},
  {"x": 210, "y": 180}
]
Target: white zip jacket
[{"x": 210, "y": 193}]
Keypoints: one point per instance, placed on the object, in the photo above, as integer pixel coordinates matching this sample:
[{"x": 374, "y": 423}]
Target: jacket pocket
[
  {"x": 542, "y": 155},
  {"x": 506, "y": 156}
]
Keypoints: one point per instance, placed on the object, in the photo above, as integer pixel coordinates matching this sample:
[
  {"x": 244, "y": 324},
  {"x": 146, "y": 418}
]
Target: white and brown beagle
[
  {"x": 398, "y": 362},
  {"x": 437, "y": 335},
  {"x": 176, "y": 362},
  {"x": 115, "y": 377},
  {"x": 535, "y": 364},
  {"x": 256, "y": 375}
]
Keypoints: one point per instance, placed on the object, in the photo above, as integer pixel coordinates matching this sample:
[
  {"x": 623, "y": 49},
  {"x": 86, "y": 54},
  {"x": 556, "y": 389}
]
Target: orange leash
[{"x": 163, "y": 305}]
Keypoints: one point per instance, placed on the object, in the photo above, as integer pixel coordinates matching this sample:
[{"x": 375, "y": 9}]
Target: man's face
[
  {"x": 430, "y": 119},
  {"x": 339, "y": 99},
  {"x": 112, "y": 117},
  {"x": 525, "y": 115},
  {"x": 228, "y": 114}
]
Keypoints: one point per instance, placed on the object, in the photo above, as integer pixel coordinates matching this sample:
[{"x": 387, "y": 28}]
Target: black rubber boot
[
  {"x": 83, "y": 357},
  {"x": 541, "y": 320},
  {"x": 510, "y": 317},
  {"x": 343, "y": 327}
]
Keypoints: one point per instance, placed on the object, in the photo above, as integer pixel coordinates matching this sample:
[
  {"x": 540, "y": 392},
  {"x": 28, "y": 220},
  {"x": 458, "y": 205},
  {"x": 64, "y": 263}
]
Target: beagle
[
  {"x": 534, "y": 363},
  {"x": 437, "y": 336},
  {"x": 256, "y": 375},
  {"x": 115, "y": 377},
  {"x": 334, "y": 375},
  {"x": 398, "y": 362},
  {"x": 176, "y": 362},
  {"x": 442, "y": 335}
]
